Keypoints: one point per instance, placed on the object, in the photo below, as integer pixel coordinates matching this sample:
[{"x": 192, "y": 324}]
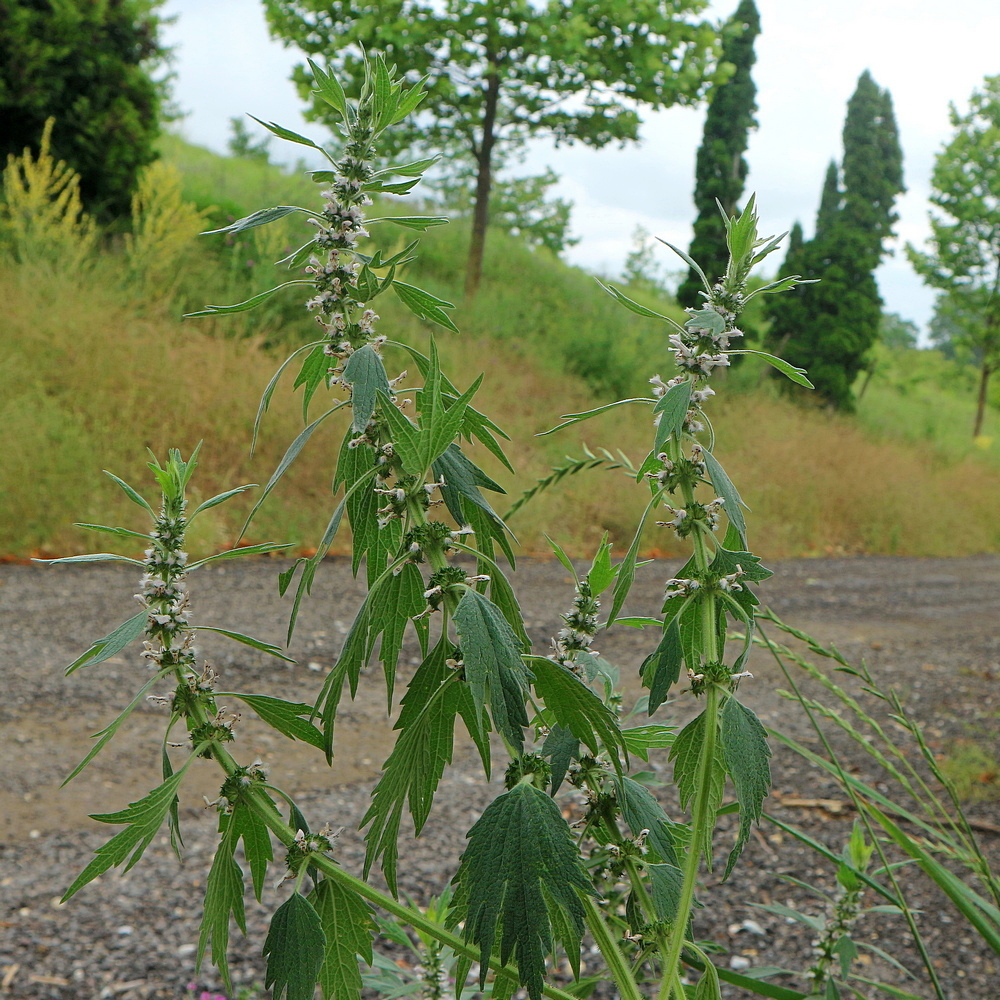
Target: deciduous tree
[
  {"x": 964, "y": 256},
  {"x": 88, "y": 64},
  {"x": 502, "y": 71}
]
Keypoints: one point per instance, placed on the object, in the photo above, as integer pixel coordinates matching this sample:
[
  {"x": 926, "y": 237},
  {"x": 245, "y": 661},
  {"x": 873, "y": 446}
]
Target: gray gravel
[{"x": 927, "y": 627}]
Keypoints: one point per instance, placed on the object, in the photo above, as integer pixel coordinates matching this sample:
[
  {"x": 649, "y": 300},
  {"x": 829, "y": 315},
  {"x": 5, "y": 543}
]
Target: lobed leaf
[
  {"x": 223, "y": 901},
  {"x": 365, "y": 373},
  {"x": 424, "y": 305},
  {"x": 348, "y": 924}
]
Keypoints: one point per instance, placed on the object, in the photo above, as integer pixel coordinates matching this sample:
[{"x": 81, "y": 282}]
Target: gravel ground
[{"x": 926, "y": 628}]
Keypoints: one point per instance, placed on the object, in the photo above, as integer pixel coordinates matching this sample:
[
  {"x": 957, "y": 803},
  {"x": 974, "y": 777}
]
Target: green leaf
[
  {"x": 285, "y": 716},
  {"x": 247, "y": 640},
  {"x": 109, "y": 731},
  {"x": 347, "y": 922},
  {"x": 365, "y": 373},
  {"x": 415, "y": 168},
  {"x": 661, "y": 670},
  {"x": 672, "y": 410},
  {"x": 665, "y": 882},
  {"x": 520, "y": 864},
  {"x": 259, "y": 218},
  {"x": 329, "y": 89},
  {"x": 420, "y": 223},
  {"x": 641, "y": 739},
  {"x": 686, "y": 754},
  {"x": 639, "y": 310},
  {"x": 250, "y": 303},
  {"x": 290, "y": 136},
  {"x": 708, "y": 987},
  {"x": 690, "y": 263},
  {"x": 219, "y": 498},
  {"x": 405, "y": 436},
  {"x": 601, "y": 571},
  {"x": 642, "y": 812},
  {"x": 725, "y": 489},
  {"x": 574, "y": 418},
  {"x": 92, "y": 557},
  {"x": 493, "y": 665},
  {"x": 626, "y": 568},
  {"x": 705, "y": 320},
  {"x": 401, "y": 599},
  {"x": 130, "y": 493},
  {"x": 424, "y": 747},
  {"x": 424, "y": 305},
  {"x": 260, "y": 548},
  {"x": 576, "y": 708},
  {"x": 246, "y": 825},
  {"x": 114, "y": 642},
  {"x": 120, "y": 532},
  {"x": 314, "y": 372},
  {"x": 295, "y": 949},
  {"x": 223, "y": 898},
  {"x": 797, "y": 375},
  {"x": 562, "y": 748},
  {"x": 144, "y": 819},
  {"x": 462, "y": 482},
  {"x": 291, "y": 453},
  {"x": 746, "y": 754}
]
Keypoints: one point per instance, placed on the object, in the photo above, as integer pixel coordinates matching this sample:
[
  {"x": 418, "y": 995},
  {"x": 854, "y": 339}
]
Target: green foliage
[
  {"x": 90, "y": 65},
  {"x": 720, "y": 169},
  {"x": 964, "y": 257},
  {"x": 520, "y": 869},
  {"x": 830, "y": 327},
  {"x": 295, "y": 949},
  {"x": 489, "y": 91}
]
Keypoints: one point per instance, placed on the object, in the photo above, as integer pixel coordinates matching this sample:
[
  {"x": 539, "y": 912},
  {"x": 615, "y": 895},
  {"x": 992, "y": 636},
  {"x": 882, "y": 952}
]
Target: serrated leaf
[
  {"x": 284, "y": 716},
  {"x": 381, "y": 187},
  {"x": 433, "y": 699},
  {"x": 250, "y": 303},
  {"x": 365, "y": 373},
  {"x": 642, "y": 812},
  {"x": 259, "y": 218},
  {"x": 143, "y": 818},
  {"x": 114, "y": 642},
  {"x": 313, "y": 373},
  {"x": 401, "y": 599},
  {"x": 493, "y": 665},
  {"x": 576, "y": 708},
  {"x": 424, "y": 305},
  {"x": 725, "y": 489},
  {"x": 329, "y": 89},
  {"x": 705, "y": 320},
  {"x": 462, "y": 480},
  {"x": 246, "y": 825},
  {"x": 601, "y": 571},
  {"x": 665, "y": 882},
  {"x": 409, "y": 99},
  {"x": 223, "y": 901},
  {"x": 746, "y": 754},
  {"x": 521, "y": 861},
  {"x": 562, "y": 748},
  {"x": 405, "y": 436},
  {"x": 686, "y": 754},
  {"x": 295, "y": 949},
  {"x": 265, "y": 399},
  {"x": 672, "y": 410},
  {"x": 661, "y": 670},
  {"x": 348, "y": 925}
]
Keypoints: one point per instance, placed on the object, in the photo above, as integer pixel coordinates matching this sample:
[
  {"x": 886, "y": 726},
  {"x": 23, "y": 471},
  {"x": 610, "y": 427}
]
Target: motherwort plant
[{"x": 528, "y": 883}]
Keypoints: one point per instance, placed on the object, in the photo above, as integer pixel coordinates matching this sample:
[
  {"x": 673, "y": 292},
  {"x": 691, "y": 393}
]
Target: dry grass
[{"x": 88, "y": 384}]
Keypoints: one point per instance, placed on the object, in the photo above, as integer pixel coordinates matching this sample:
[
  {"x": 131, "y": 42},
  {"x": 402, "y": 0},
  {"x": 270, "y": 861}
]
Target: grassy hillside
[{"x": 97, "y": 366}]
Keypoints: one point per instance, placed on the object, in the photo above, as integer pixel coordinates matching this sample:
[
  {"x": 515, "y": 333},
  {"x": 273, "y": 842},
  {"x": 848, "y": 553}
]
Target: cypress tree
[
  {"x": 720, "y": 169},
  {"x": 829, "y": 327}
]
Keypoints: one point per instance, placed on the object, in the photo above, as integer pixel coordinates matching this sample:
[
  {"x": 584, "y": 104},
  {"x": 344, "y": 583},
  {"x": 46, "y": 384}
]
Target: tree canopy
[
  {"x": 829, "y": 327},
  {"x": 964, "y": 256},
  {"x": 89, "y": 65},
  {"x": 720, "y": 169},
  {"x": 499, "y": 72}
]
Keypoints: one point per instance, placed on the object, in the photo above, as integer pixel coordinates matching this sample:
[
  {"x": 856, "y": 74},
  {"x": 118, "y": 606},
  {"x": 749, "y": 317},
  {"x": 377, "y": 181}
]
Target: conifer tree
[
  {"x": 720, "y": 169},
  {"x": 829, "y": 327}
]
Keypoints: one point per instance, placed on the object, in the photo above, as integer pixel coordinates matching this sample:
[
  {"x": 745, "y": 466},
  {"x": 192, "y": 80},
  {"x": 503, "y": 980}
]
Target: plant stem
[
  {"x": 702, "y": 821},
  {"x": 617, "y": 964}
]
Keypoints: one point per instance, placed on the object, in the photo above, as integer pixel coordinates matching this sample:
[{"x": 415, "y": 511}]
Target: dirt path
[{"x": 929, "y": 628}]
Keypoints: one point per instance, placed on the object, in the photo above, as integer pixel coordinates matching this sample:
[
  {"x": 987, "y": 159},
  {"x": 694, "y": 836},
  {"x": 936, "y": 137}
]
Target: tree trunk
[
  {"x": 484, "y": 180},
  {"x": 984, "y": 381}
]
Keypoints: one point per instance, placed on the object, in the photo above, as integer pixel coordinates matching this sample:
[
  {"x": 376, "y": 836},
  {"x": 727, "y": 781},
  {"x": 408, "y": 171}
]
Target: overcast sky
[{"x": 810, "y": 54}]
